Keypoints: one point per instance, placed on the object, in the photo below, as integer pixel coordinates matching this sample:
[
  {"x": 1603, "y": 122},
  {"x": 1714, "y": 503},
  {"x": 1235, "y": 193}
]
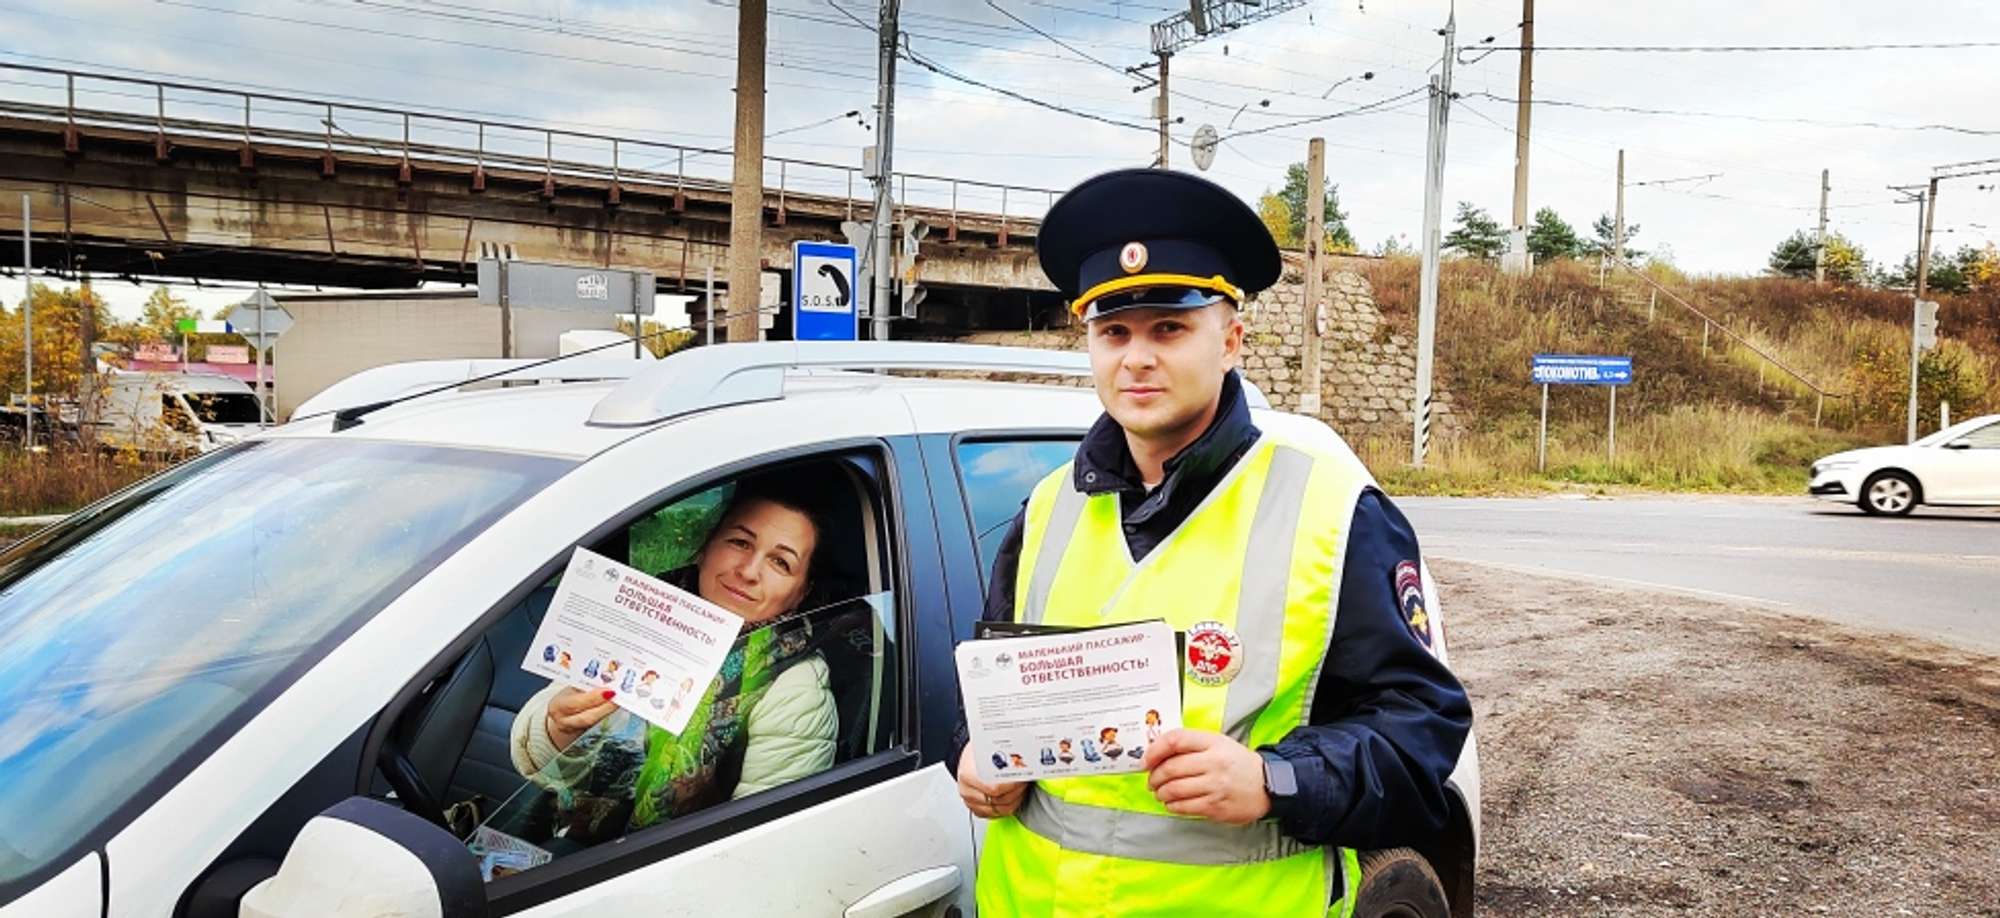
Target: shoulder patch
[{"x": 1410, "y": 601}]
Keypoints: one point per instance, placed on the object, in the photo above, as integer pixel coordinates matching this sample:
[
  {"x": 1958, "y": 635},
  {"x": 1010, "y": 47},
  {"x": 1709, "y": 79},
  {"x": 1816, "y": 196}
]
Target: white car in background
[{"x": 1957, "y": 466}]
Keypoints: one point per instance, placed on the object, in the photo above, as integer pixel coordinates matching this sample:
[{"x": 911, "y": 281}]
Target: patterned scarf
[
  {"x": 627, "y": 774},
  {"x": 679, "y": 774}
]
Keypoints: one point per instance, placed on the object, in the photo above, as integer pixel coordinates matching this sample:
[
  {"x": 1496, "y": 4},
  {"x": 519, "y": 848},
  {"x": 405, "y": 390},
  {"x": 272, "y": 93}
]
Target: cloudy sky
[{"x": 1762, "y": 125}]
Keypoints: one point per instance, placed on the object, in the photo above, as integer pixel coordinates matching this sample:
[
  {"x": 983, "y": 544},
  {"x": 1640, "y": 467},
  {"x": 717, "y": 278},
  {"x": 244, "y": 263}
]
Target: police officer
[{"x": 1317, "y": 719}]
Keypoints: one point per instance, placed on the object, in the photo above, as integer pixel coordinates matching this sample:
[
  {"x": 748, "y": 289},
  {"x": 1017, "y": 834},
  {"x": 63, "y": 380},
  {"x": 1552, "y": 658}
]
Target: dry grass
[
  {"x": 1850, "y": 341},
  {"x": 60, "y": 481},
  {"x": 1685, "y": 449}
]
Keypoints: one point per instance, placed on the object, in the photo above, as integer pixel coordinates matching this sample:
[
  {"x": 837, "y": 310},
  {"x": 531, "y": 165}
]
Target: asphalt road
[{"x": 1935, "y": 574}]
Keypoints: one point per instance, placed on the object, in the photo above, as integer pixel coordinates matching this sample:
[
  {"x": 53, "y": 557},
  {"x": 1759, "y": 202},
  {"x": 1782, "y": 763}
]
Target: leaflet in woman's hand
[
  {"x": 1071, "y": 703},
  {"x": 612, "y": 628}
]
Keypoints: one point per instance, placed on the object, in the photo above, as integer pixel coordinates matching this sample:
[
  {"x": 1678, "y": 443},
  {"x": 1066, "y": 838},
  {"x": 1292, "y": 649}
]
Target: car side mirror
[
  {"x": 1958, "y": 444},
  {"x": 362, "y": 858}
]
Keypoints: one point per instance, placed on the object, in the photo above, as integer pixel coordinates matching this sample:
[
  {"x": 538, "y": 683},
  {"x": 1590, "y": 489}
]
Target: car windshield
[
  {"x": 223, "y": 407},
  {"x": 152, "y": 624}
]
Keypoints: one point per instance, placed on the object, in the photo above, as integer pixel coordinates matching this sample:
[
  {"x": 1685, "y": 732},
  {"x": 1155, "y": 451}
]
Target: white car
[
  {"x": 1957, "y": 466},
  {"x": 255, "y": 684},
  {"x": 175, "y": 413}
]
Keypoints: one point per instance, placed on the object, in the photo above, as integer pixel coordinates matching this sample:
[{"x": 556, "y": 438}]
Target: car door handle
[{"x": 907, "y": 894}]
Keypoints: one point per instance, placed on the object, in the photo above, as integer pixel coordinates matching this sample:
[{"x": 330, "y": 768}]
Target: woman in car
[{"x": 768, "y": 719}]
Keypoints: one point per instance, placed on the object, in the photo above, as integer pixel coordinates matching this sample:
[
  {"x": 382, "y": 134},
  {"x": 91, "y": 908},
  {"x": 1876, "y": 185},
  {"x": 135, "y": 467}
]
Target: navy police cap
[{"x": 1154, "y": 238}]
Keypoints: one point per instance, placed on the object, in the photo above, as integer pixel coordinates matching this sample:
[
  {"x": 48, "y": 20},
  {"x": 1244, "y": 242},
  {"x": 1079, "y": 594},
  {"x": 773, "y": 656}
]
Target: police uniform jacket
[{"x": 1388, "y": 719}]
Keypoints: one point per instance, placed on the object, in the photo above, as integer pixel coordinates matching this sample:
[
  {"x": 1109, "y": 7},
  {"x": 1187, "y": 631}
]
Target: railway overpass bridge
[{"x": 148, "y": 179}]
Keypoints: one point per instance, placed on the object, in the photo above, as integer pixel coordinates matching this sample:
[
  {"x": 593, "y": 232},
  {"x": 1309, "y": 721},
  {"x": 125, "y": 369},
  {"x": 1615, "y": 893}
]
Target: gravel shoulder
[{"x": 1653, "y": 754}]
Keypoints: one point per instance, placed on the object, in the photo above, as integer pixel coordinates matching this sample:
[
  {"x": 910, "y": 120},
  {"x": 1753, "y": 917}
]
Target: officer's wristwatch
[{"x": 1279, "y": 781}]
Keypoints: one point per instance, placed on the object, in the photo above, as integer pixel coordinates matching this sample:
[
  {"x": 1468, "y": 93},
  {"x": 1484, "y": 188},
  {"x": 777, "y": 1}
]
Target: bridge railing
[{"x": 344, "y": 129}]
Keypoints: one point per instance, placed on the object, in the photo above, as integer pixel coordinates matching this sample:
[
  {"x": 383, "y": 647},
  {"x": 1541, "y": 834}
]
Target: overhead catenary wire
[
  {"x": 1378, "y": 105},
  {"x": 910, "y": 54},
  {"x": 1114, "y": 68},
  {"x": 1773, "y": 119},
  {"x": 1740, "y": 49}
]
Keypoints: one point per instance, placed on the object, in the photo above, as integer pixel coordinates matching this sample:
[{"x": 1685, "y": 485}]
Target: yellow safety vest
[{"x": 1259, "y": 557}]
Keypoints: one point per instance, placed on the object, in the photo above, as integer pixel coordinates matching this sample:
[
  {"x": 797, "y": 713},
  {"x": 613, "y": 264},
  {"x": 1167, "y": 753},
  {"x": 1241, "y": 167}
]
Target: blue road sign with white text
[
  {"x": 1581, "y": 370},
  {"x": 823, "y": 294}
]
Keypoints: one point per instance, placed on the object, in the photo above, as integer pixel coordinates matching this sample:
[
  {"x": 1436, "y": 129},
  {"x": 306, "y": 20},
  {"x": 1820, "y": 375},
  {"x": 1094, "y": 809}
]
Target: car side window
[
  {"x": 537, "y": 771},
  {"x": 1987, "y": 437},
  {"x": 998, "y": 476},
  {"x": 175, "y": 416}
]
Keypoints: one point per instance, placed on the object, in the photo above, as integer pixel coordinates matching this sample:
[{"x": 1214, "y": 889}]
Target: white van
[{"x": 175, "y": 412}]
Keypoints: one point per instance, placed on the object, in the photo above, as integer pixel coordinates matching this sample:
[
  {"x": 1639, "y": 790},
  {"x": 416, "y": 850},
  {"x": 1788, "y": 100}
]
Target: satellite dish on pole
[{"x": 1205, "y": 142}]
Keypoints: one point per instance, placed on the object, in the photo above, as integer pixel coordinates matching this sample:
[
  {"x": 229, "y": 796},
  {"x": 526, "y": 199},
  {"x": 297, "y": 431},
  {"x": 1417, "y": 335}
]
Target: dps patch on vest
[
  {"x": 1214, "y": 654},
  {"x": 1410, "y": 598}
]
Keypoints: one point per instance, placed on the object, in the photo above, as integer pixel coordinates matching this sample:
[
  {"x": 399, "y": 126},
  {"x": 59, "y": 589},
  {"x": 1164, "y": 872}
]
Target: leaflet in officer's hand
[
  {"x": 1068, "y": 703},
  {"x": 612, "y": 628}
]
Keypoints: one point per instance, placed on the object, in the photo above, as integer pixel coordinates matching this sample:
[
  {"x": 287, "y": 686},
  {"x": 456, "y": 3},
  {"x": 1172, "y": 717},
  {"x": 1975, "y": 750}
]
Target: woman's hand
[
  {"x": 574, "y": 711},
  {"x": 987, "y": 801}
]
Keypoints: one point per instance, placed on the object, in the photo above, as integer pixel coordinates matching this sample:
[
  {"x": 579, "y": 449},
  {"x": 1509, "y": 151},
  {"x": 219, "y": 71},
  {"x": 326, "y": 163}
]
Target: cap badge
[
  {"x": 1132, "y": 257},
  {"x": 1214, "y": 654}
]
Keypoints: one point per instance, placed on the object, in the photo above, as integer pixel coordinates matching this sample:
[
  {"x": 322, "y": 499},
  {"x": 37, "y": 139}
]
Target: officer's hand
[
  {"x": 1198, "y": 773},
  {"x": 987, "y": 801},
  {"x": 574, "y": 711}
]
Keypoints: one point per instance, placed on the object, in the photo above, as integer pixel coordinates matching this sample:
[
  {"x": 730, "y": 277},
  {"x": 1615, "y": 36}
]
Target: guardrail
[
  {"x": 1711, "y": 323},
  {"x": 353, "y": 128}
]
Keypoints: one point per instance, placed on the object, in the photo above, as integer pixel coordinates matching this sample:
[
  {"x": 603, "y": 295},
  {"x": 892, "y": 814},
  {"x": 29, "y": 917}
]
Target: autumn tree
[
  {"x": 1477, "y": 235},
  {"x": 160, "y": 318},
  {"x": 1277, "y": 217},
  {"x": 1796, "y": 257},
  {"x": 1969, "y": 268},
  {"x": 58, "y": 340},
  {"x": 1605, "y": 231},
  {"x": 1551, "y": 237},
  {"x": 1289, "y": 203}
]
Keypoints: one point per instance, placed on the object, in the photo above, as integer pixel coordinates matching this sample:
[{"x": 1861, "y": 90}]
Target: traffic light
[{"x": 1927, "y": 325}]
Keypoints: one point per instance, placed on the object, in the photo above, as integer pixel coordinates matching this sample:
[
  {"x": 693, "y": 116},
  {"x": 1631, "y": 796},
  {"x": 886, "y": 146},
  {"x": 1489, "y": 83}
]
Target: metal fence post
[
  {"x": 1542, "y": 451},
  {"x": 160, "y": 145},
  {"x": 616, "y": 196},
  {"x": 479, "y": 161},
  {"x": 248, "y": 159},
  {"x": 548, "y": 165},
  {"x": 680, "y": 181},
  {"x": 403, "y": 173},
  {"x": 1003, "y": 215},
  {"x": 72, "y": 144}
]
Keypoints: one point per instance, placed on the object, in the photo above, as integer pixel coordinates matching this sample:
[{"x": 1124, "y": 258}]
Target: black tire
[
  {"x": 1889, "y": 494},
  {"x": 1398, "y": 882}
]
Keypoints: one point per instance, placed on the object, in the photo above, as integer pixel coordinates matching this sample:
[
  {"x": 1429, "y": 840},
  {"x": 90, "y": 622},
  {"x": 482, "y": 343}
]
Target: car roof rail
[
  {"x": 715, "y": 376},
  {"x": 399, "y": 379}
]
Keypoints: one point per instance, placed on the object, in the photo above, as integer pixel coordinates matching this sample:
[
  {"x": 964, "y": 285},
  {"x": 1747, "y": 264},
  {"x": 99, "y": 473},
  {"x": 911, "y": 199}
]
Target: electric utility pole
[
  {"x": 746, "y": 195},
  {"x": 1202, "y": 20},
  {"x": 28, "y": 320},
  {"x": 884, "y": 222},
  {"x": 1819, "y": 241},
  {"x": 1618, "y": 226},
  {"x": 1518, "y": 257},
  {"x": 1160, "y": 111},
  {"x": 1420, "y": 409},
  {"x": 1309, "y": 360},
  {"x": 1927, "y": 215}
]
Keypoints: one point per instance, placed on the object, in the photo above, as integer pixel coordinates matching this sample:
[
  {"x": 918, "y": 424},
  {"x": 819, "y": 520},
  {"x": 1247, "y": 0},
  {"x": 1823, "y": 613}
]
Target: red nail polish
[{"x": 608, "y": 693}]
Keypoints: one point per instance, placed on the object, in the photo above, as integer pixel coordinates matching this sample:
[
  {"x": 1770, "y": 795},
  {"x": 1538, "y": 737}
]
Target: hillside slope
[{"x": 1719, "y": 416}]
